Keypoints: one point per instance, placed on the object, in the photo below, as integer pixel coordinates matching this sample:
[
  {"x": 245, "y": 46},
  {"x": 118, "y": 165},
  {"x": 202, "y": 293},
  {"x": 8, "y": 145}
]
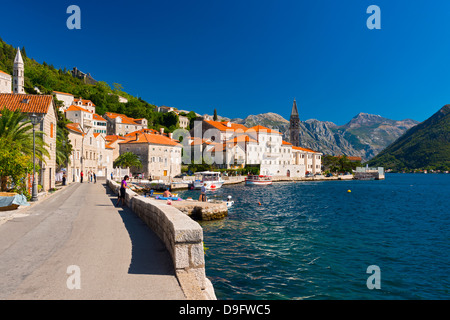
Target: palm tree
[
  {"x": 127, "y": 159},
  {"x": 17, "y": 131},
  {"x": 16, "y": 141}
]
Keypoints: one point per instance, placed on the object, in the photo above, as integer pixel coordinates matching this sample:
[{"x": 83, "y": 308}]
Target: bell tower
[
  {"x": 294, "y": 126},
  {"x": 18, "y": 73}
]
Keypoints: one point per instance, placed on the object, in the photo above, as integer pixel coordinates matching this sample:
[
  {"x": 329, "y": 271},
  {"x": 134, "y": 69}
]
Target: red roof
[
  {"x": 74, "y": 127},
  {"x": 263, "y": 129},
  {"x": 151, "y": 139},
  {"x": 28, "y": 103},
  {"x": 304, "y": 149}
]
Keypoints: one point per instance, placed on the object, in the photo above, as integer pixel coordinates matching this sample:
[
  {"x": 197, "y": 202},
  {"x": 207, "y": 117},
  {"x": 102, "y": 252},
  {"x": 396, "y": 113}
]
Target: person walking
[
  {"x": 81, "y": 176},
  {"x": 122, "y": 192},
  {"x": 203, "y": 193},
  {"x": 95, "y": 177}
]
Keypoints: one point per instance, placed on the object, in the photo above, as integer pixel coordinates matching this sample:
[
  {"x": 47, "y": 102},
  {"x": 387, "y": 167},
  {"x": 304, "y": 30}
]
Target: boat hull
[
  {"x": 210, "y": 185},
  {"x": 257, "y": 183}
]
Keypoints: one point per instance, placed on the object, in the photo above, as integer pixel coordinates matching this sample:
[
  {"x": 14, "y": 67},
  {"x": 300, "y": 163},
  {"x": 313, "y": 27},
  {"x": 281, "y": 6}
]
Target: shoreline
[{"x": 241, "y": 179}]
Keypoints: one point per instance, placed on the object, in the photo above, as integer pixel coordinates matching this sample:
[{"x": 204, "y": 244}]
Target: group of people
[{"x": 92, "y": 177}]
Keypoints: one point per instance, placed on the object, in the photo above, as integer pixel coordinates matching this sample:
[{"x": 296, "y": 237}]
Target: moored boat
[
  {"x": 258, "y": 180},
  {"x": 210, "y": 179}
]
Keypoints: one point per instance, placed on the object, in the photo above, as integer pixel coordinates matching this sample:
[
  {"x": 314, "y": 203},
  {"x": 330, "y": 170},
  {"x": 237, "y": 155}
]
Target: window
[{"x": 51, "y": 129}]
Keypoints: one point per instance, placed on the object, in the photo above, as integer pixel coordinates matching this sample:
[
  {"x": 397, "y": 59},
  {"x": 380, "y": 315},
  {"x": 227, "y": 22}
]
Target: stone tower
[
  {"x": 18, "y": 73},
  {"x": 294, "y": 126}
]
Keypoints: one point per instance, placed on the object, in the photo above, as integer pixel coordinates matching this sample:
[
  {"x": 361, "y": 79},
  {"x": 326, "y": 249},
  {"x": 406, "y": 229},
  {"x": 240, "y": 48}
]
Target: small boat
[
  {"x": 212, "y": 180},
  {"x": 260, "y": 180}
]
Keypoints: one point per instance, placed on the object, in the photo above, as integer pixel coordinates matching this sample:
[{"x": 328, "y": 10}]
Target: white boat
[
  {"x": 210, "y": 178},
  {"x": 260, "y": 180}
]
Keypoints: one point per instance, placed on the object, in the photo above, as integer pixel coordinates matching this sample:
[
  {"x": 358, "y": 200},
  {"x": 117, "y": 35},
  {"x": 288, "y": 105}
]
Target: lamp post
[{"x": 35, "y": 119}]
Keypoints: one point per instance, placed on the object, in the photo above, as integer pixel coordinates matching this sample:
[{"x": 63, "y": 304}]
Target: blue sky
[{"x": 248, "y": 57}]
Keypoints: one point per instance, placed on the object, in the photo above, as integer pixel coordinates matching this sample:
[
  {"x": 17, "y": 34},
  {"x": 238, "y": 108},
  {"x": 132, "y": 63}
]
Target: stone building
[
  {"x": 160, "y": 155},
  {"x": 90, "y": 153},
  {"x": 66, "y": 98},
  {"x": 5, "y": 82},
  {"x": 120, "y": 124},
  {"x": 43, "y": 106}
]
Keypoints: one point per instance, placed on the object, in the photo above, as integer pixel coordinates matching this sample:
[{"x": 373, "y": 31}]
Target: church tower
[
  {"x": 18, "y": 73},
  {"x": 294, "y": 126}
]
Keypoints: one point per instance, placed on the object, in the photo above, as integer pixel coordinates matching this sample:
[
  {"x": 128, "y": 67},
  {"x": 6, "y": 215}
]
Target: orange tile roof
[
  {"x": 263, "y": 129},
  {"x": 285, "y": 143},
  {"x": 4, "y": 72},
  {"x": 151, "y": 139},
  {"x": 28, "y": 103},
  {"x": 304, "y": 149},
  {"x": 76, "y": 108},
  {"x": 59, "y": 92},
  {"x": 98, "y": 118},
  {"x": 74, "y": 127},
  {"x": 241, "y": 138},
  {"x": 84, "y": 101},
  {"x": 222, "y": 126},
  {"x": 125, "y": 119},
  {"x": 114, "y": 137},
  {"x": 144, "y": 130}
]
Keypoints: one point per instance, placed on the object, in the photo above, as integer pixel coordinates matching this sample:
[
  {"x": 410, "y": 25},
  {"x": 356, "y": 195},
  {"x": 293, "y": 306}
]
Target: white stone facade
[{"x": 5, "y": 82}]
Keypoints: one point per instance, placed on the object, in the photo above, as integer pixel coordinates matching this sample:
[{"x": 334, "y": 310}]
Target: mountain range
[
  {"x": 365, "y": 135},
  {"x": 425, "y": 146}
]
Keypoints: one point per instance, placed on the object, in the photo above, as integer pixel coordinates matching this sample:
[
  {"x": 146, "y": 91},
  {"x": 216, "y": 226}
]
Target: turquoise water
[{"x": 314, "y": 240}]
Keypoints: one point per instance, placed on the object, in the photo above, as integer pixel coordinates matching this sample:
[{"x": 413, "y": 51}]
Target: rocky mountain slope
[
  {"x": 425, "y": 146},
  {"x": 365, "y": 135}
]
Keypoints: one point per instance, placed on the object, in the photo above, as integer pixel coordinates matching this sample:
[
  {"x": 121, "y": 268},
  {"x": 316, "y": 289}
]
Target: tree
[
  {"x": 14, "y": 167},
  {"x": 16, "y": 148},
  {"x": 127, "y": 160},
  {"x": 215, "y": 115},
  {"x": 16, "y": 130}
]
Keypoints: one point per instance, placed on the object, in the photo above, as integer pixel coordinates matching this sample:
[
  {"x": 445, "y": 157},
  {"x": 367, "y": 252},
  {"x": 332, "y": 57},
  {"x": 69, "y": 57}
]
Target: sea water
[{"x": 316, "y": 240}]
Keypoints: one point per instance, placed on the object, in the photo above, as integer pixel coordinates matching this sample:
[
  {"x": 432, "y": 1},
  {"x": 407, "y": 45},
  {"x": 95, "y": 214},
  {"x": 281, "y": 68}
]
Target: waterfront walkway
[{"x": 118, "y": 256}]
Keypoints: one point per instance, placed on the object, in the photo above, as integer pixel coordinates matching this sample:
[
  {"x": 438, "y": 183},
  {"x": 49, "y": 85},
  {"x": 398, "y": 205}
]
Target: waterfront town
[{"x": 99, "y": 139}]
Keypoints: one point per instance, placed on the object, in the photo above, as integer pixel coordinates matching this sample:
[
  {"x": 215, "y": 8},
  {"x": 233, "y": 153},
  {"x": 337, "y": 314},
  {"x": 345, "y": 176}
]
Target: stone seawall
[{"x": 183, "y": 238}]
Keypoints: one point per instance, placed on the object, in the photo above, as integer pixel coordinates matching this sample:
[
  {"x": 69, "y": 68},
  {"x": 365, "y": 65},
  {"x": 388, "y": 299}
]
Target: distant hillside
[
  {"x": 425, "y": 146},
  {"x": 46, "y": 78},
  {"x": 364, "y": 136}
]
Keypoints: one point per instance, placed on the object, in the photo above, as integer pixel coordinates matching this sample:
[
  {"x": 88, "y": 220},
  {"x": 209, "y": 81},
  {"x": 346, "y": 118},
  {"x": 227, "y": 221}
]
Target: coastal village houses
[
  {"x": 90, "y": 153},
  {"x": 120, "y": 124},
  {"x": 160, "y": 155},
  {"x": 231, "y": 145},
  {"x": 43, "y": 106},
  {"x": 13, "y": 97}
]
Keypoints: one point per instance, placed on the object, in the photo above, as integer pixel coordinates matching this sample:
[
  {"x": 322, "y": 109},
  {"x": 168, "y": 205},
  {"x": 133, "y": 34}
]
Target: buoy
[
  {"x": 259, "y": 203},
  {"x": 348, "y": 191}
]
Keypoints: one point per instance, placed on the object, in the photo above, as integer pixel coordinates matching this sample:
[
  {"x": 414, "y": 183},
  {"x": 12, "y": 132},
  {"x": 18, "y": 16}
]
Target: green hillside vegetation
[
  {"x": 425, "y": 146},
  {"x": 48, "y": 79}
]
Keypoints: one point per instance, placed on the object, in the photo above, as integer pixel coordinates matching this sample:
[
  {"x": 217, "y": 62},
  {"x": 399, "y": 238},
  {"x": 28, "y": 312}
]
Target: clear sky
[{"x": 251, "y": 56}]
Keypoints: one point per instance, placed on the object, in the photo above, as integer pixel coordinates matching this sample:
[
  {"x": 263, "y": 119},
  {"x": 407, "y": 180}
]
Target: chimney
[
  {"x": 170, "y": 135},
  {"x": 137, "y": 136},
  {"x": 161, "y": 131}
]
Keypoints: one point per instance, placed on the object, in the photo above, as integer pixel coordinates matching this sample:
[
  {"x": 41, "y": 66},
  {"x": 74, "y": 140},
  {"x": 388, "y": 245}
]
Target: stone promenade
[{"x": 78, "y": 237}]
